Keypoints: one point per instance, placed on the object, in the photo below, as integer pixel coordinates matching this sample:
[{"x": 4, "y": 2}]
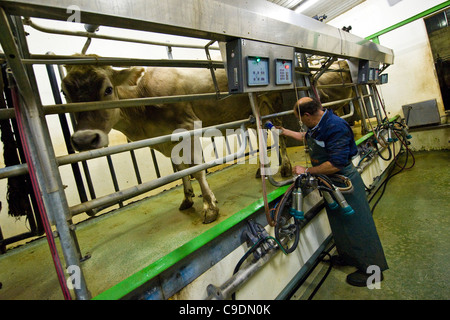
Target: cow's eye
[{"x": 108, "y": 91}]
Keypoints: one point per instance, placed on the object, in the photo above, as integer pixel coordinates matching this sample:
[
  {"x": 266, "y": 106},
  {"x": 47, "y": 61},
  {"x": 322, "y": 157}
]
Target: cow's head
[{"x": 86, "y": 83}]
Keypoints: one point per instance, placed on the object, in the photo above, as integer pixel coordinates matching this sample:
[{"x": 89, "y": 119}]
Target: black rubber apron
[{"x": 355, "y": 236}]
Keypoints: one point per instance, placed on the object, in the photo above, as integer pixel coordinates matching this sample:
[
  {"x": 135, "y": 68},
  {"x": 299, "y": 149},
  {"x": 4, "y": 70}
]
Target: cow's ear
[
  {"x": 68, "y": 67},
  {"x": 128, "y": 76}
]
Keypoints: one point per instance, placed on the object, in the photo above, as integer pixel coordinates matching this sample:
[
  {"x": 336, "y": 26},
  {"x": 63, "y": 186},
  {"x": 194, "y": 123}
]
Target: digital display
[
  {"x": 257, "y": 71},
  {"x": 283, "y": 70}
]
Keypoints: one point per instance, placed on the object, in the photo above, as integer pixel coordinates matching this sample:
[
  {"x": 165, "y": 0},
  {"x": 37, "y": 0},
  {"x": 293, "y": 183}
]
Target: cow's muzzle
[{"x": 89, "y": 139}]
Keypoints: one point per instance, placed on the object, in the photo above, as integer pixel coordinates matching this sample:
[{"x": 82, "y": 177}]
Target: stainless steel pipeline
[{"x": 238, "y": 279}]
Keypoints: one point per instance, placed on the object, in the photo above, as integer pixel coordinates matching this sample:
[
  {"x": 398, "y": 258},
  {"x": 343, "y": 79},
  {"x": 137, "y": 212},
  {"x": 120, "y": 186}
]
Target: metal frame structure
[{"x": 196, "y": 18}]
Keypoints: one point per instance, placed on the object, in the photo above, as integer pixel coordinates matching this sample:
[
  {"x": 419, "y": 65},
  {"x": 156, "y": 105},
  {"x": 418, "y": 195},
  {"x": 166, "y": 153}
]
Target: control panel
[{"x": 257, "y": 66}]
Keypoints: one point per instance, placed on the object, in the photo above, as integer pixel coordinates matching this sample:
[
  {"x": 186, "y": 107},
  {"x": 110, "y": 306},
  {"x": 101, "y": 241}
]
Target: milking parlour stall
[{"x": 145, "y": 154}]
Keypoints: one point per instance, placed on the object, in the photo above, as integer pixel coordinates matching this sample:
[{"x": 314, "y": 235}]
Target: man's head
[{"x": 308, "y": 110}]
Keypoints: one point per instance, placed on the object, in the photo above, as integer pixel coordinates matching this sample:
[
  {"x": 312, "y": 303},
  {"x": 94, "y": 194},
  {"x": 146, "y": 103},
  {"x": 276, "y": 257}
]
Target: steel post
[{"x": 42, "y": 164}]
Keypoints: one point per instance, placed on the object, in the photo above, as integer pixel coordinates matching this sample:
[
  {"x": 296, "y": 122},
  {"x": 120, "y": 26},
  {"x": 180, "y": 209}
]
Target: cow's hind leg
[
  {"x": 210, "y": 208},
  {"x": 269, "y": 105},
  {"x": 285, "y": 166}
]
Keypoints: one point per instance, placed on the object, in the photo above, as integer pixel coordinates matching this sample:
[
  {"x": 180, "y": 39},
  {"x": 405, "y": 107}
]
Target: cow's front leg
[
  {"x": 188, "y": 190},
  {"x": 210, "y": 208}
]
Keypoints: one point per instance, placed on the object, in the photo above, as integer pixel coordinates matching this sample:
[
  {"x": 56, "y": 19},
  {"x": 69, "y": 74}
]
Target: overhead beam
[{"x": 209, "y": 19}]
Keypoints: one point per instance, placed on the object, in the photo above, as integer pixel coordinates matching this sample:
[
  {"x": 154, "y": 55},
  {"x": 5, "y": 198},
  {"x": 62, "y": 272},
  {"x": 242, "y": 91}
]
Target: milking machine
[
  {"x": 291, "y": 204},
  {"x": 391, "y": 131}
]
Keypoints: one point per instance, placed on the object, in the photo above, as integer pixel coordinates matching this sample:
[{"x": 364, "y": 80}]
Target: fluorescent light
[{"x": 305, "y": 5}]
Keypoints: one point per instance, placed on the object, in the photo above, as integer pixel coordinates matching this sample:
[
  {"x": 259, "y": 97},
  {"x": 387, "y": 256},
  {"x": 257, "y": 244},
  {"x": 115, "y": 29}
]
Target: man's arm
[
  {"x": 292, "y": 134},
  {"x": 325, "y": 168}
]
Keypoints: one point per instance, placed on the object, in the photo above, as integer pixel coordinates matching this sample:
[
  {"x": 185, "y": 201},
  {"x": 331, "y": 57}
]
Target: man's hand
[{"x": 298, "y": 170}]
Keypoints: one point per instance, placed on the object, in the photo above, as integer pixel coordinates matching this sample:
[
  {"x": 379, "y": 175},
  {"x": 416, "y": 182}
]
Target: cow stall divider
[{"x": 45, "y": 163}]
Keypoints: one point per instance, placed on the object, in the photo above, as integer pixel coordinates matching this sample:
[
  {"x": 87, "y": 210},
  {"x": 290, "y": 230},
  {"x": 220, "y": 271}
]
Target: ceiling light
[{"x": 306, "y": 4}]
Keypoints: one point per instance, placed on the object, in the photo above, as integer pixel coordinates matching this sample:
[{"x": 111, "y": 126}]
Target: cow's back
[{"x": 184, "y": 81}]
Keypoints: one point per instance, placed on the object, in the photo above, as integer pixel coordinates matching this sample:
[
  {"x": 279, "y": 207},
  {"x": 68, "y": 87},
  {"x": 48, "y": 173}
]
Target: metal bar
[
  {"x": 343, "y": 85},
  {"x": 155, "y": 163},
  {"x": 243, "y": 275},
  {"x": 27, "y": 21},
  {"x": 120, "y": 62},
  {"x": 211, "y": 68},
  {"x": 135, "y": 166},
  {"x": 352, "y": 111},
  {"x": 324, "y": 68},
  {"x": 129, "y": 103},
  {"x": 66, "y": 133},
  {"x": 91, "y": 154},
  {"x": 114, "y": 178},
  {"x": 150, "y": 185},
  {"x": 331, "y": 103},
  {"x": 126, "y": 103},
  {"x": 42, "y": 157},
  {"x": 254, "y": 20},
  {"x": 238, "y": 279},
  {"x": 375, "y": 104}
]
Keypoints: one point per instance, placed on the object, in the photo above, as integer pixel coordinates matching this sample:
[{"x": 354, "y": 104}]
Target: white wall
[{"x": 412, "y": 77}]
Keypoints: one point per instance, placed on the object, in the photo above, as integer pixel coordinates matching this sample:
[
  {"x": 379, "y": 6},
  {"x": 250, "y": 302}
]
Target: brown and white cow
[
  {"x": 338, "y": 93},
  {"x": 102, "y": 83}
]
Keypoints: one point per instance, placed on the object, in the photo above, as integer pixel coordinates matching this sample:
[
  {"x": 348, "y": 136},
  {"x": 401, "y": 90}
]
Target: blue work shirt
[{"x": 335, "y": 135}]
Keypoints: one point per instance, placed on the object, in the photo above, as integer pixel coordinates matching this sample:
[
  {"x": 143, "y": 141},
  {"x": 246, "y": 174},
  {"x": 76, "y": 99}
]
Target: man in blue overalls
[{"x": 331, "y": 147}]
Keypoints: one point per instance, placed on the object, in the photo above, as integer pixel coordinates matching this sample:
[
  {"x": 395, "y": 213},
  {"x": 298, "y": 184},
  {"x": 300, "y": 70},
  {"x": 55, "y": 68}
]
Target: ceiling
[{"x": 330, "y": 8}]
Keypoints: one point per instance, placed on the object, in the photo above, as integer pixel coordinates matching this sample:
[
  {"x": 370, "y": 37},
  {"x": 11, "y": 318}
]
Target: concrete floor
[{"x": 413, "y": 222}]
